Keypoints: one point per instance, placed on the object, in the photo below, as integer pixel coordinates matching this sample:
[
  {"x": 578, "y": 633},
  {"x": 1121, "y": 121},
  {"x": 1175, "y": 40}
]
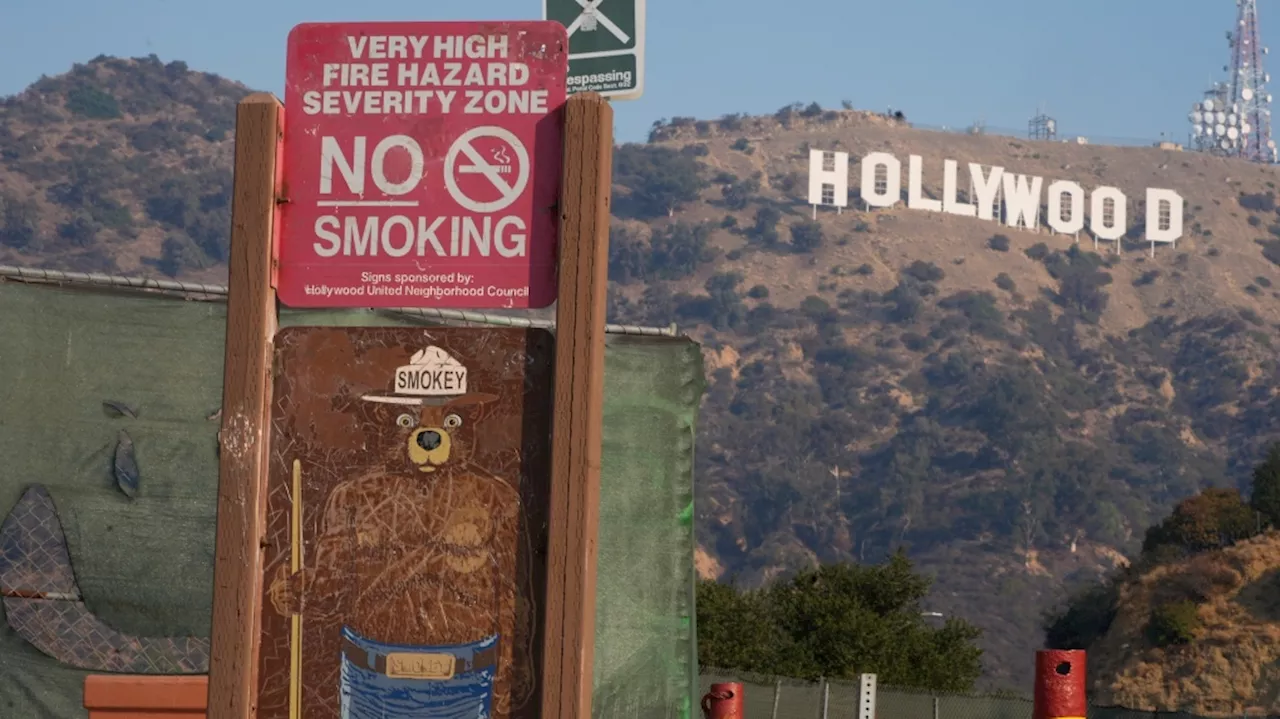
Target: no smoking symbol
[{"x": 495, "y": 171}]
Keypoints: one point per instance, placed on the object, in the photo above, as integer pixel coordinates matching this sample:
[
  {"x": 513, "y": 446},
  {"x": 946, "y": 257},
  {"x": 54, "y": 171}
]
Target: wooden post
[
  {"x": 246, "y": 411},
  {"x": 569, "y": 628}
]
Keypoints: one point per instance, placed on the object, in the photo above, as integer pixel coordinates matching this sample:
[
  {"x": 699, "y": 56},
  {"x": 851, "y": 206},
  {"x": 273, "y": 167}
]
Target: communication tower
[
  {"x": 1042, "y": 127},
  {"x": 1234, "y": 118}
]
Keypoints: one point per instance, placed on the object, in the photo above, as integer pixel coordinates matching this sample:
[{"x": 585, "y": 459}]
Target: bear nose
[{"x": 429, "y": 440}]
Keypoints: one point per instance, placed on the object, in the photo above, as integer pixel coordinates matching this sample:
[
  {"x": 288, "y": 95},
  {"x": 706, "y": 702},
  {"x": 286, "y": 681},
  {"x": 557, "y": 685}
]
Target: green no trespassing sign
[{"x": 606, "y": 45}]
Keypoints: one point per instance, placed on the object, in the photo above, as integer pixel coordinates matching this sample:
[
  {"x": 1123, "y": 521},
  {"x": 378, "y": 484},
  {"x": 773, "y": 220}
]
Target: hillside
[
  {"x": 119, "y": 166},
  {"x": 1011, "y": 406},
  {"x": 1229, "y": 667}
]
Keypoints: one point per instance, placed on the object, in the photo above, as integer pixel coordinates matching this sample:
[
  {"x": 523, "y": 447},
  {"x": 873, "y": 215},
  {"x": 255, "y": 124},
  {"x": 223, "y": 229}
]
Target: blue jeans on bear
[{"x": 395, "y": 681}]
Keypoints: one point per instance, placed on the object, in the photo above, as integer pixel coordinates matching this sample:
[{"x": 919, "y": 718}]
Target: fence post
[
  {"x": 866, "y": 696},
  {"x": 935, "y": 706},
  {"x": 826, "y": 696},
  {"x": 777, "y": 693}
]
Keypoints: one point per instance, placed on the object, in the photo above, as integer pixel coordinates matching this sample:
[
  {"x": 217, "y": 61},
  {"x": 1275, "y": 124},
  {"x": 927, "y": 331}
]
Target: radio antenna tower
[
  {"x": 1249, "y": 85},
  {"x": 1234, "y": 119}
]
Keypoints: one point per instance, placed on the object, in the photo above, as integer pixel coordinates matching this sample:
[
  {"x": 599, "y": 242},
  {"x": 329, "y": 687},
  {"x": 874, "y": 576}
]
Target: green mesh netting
[{"x": 145, "y": 566}]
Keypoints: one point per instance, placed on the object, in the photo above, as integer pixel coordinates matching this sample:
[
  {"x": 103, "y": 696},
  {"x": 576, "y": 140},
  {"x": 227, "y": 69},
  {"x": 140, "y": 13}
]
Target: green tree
[
  {"x": 1085, "y": 618},
  {"x": 838, "y": 621},
  {"x": 722, "y": 308},
  {"x": 765, "y": 228},
  {"x": 1217, "y": 517},
  {"x": 734, "y": 628},
  {"x": 659, "y": 180},
  {"x": 1264, "y": 495},
  {"x": 738, "y": 192},
  {"x": 178, "y": 254},
  {"x": 19, "y": 223},
  {"x": 1080, "y": 281}
]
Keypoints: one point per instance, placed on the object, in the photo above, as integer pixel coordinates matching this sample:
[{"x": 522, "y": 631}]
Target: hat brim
[{"x": 407, "y": 400}]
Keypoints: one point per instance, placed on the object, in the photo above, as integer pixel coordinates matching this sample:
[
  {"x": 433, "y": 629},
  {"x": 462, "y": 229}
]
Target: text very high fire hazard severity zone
[{"x": 422, "y": 75}]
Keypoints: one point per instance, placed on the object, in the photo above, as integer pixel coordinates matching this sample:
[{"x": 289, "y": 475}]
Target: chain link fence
[{"x": 785, "y": 698}]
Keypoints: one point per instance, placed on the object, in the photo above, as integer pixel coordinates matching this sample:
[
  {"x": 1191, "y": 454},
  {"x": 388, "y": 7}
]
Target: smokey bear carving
[{"x": 417, "y": 565}]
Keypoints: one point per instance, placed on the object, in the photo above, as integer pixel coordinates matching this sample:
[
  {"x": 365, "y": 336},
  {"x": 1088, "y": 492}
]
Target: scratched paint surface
[
  {"x": 422, "y": 516},
  {"x": 422, "y": 164}
]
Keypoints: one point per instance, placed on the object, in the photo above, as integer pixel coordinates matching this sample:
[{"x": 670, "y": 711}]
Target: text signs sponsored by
[
  {"x": 422, "y": 164},
  {"x": 991, "y": 189},
  {"x": 606, "y": 45}
]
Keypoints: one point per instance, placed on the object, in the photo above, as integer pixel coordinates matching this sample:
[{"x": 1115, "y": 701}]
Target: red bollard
[
  {"x": 724, "y": 701},
  {"x": 1061, "y": 691}
]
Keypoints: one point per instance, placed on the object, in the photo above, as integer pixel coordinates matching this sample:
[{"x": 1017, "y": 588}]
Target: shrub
[
  {"x": 178, "y": 253},
  {"x": 80, "y": 230},
  {"x": 1270, "y": 250},
  {"x": 19, "y": 226},
  {"x": 92, "y": 103},
  {"x": 1173, "y": 623},
  {"x": 1260, "y": 202},
  {"x": 1147, "y": 278},
  {"x": 765, "y": 228},
  {"x": 999, "y": 243},
  {"x": 807, "y": 236},
  {"x": 759, "y": 292},
  {"x": 915, "y": 341},
  {"x": 737, "y": 193},
  {"x": 1005, "y": 282},
  {"x": 1265, "y": 493},
  {"x": 924, "y": 271}
]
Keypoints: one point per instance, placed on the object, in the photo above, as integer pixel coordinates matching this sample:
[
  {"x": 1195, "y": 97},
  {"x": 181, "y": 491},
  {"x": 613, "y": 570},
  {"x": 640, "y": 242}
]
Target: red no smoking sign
[{"x": 422, "y": 162}]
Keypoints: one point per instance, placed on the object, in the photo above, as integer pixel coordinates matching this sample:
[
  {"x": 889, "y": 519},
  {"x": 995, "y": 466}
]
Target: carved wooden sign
[{"x": 406, "y": 523}]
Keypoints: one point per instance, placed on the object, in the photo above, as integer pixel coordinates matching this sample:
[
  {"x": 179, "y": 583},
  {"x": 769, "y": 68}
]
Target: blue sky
[{"x": 1103, "y": 68}]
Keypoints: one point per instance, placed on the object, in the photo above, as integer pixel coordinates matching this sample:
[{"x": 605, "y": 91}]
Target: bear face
[{"x": 426, "y": 437}]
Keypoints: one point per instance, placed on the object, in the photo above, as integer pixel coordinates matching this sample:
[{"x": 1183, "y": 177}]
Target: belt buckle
[{"x": 420, "y": 665}]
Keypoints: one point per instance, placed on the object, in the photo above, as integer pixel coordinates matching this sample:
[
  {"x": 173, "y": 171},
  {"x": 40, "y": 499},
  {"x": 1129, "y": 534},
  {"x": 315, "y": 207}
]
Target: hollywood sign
[{"x": 993, "y": 194}]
